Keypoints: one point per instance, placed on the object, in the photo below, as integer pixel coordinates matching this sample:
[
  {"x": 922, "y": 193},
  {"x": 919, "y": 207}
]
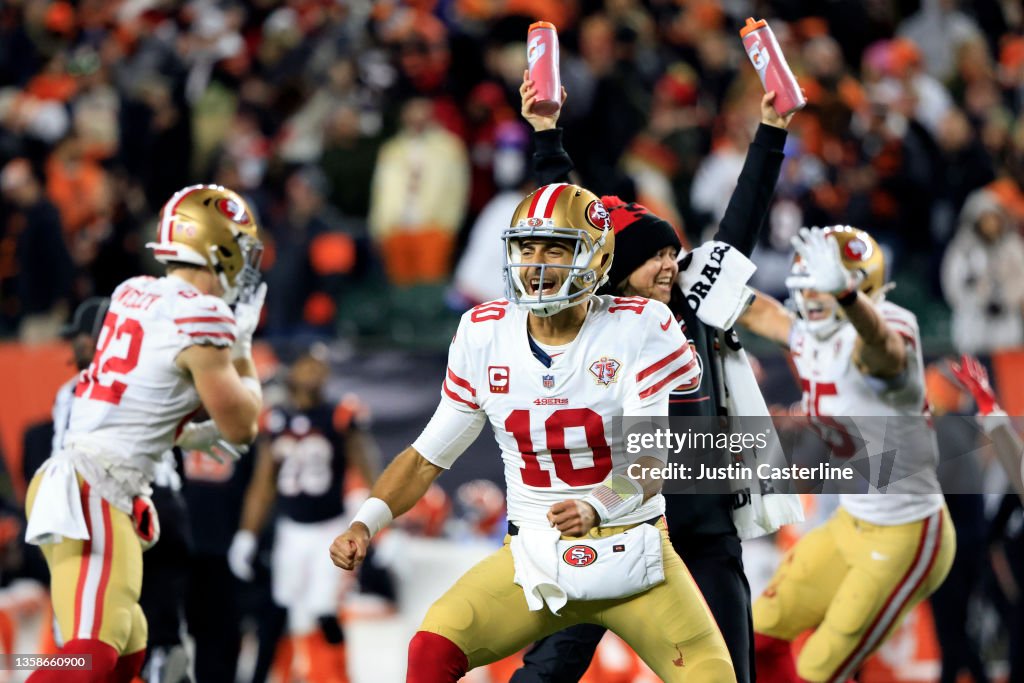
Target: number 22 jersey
[
  {"x": 132, "y": 401},
  {"x": 553, "y": 424}
]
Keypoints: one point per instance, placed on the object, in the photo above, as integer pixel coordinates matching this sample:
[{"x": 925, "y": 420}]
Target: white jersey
[
  {"x": 132, "y": 401},
  {"x": 850, "y": 404},
  {"x": 553, "y": 424}
]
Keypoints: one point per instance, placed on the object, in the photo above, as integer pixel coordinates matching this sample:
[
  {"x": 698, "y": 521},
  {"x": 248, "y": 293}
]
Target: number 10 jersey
[{"x": 553, "y": 423}]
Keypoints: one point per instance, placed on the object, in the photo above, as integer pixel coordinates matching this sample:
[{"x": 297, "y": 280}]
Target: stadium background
[{"x": 381, "y": 145}]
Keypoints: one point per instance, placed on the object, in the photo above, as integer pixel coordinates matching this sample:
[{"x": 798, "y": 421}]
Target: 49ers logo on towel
[
  {"x": 579, "y": 556},
  {"x": 233, "y": 210},
  {"x": 597, "y": 215}
]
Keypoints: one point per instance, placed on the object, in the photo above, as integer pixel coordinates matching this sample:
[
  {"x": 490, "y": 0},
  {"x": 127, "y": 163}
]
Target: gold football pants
[
  {"x": 852, "y": 582},
  {"x": 669, "y": 626},
  {"x": 95, "y": 584}
]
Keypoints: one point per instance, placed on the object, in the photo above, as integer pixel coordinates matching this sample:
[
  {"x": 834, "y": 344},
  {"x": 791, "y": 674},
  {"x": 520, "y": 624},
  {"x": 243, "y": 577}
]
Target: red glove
[{"x": 974, "y": 378}]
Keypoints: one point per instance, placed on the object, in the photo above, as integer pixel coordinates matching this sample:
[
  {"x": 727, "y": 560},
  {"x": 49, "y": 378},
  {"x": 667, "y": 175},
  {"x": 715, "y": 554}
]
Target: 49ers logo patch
[
  {"x": 857, "y": 249},
  {"x": 597, "y": 215},
  {"x": 579, "y": 556},
  {"x": 233, "y": 210},
  {"x": 605, "y": 370}
]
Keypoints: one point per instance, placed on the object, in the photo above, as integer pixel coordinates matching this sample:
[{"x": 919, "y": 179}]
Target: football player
[
  {"x": 301, "y": 461},
  {"x": 853, "y": 579},
  {"x": 167, "y": 347},
  {"x": 550, "y": 368},
  {"x": 646, "y": 252}
]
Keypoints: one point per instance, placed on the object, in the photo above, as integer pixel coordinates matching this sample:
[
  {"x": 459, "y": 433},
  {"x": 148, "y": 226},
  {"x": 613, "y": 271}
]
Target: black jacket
[{"x": 691, "y": 516}]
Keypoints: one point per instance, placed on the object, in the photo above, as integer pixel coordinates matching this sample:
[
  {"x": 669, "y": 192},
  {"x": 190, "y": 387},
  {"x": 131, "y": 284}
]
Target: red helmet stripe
[
  {"x": 552, "y": 200},
  {"x": 536, "y": 198},
  {"x": 543, "y": 204}
]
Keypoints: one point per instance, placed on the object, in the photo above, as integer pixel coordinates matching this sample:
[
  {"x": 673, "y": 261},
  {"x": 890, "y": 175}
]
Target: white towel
[
  {"x": 535, "y": 556},
  {"x": 713, "y": 278},
  {"x": 57, "y": 509},
  {"x": 762, "y": 510}
]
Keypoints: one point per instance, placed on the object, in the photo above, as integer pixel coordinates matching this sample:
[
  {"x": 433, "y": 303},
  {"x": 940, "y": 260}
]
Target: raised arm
[
  {"x": 551, "y": 163},
  {"x": 880, "y": 350},
  {"x": 748, "y": 206},
  {"x": 768, "y": 318},
  {"x": 1009, "y": 448}
]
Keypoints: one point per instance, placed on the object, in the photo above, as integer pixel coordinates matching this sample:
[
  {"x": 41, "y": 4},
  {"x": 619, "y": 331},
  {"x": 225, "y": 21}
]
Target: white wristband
[
  {"x": 253, "y": 385},
  {"x": 241, "y": 349},
  {"x": 375, "y": 514},
  {"x": 615, "y": 497}
]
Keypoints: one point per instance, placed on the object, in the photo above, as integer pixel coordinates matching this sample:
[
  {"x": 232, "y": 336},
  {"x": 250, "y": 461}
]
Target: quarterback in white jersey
[
  {"x": 553, "y": 422},
  {"x": 167, "y": 347},
  {"x": 859, "y": 361},
  {"x": 550, "y": 368}
]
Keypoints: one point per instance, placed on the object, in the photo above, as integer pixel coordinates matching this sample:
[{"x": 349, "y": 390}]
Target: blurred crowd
[{"x": 373, "y": 136}]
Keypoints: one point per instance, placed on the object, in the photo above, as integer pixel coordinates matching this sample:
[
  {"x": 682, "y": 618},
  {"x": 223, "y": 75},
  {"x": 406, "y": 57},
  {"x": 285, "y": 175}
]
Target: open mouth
[
  {"x": 816, "y": 310},
  {"x": 538, "y": 286}
]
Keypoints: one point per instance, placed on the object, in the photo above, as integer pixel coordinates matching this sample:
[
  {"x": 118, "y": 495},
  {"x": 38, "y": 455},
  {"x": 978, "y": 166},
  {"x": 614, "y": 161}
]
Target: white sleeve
[
  {"x": 448, "y": 434},
  {"x": 666, "y": 362},
  {"x": 204, "y": 320},
  {"x": 457, "y": 390}
]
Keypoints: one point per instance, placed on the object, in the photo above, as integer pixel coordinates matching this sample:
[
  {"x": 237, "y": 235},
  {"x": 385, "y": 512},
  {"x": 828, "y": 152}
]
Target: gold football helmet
[
  {"x": 564, "y": 212},
  {"x": 209, "y": 225},
  {"x": 861, "y": 255}
]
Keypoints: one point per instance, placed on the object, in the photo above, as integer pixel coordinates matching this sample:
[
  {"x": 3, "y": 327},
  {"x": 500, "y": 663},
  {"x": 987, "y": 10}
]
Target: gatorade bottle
[
  {"x": 766, "y": 56},
  {"x": 542, "y": 58}
]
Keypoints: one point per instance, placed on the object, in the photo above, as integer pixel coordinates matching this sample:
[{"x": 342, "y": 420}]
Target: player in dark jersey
[
  {"x": 700, "y": 525},
  {"x": 306, "y": 446}
]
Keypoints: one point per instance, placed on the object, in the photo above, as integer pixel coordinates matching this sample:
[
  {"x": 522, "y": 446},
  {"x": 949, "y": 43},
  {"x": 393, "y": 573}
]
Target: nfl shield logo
[{"x": 548, "y": 381}]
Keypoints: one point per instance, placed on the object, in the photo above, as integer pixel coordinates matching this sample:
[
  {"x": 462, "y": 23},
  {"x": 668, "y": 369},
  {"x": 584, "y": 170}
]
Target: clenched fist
[
  {"x": 572, "y": 517},
  {"x": 349, "y": 550}
]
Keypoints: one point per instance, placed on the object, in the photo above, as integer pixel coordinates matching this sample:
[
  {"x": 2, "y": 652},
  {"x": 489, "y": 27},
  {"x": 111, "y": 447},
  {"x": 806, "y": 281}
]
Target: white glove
[
  {"x": 247, "y": 317},
  {"x": 241, "y": 554},
  {"x": 205, "y": 437},
  {"x": 823, "y": 267}
]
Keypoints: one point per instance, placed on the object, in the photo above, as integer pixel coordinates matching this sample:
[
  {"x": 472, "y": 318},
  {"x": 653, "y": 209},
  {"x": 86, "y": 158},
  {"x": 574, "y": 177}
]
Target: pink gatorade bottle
[
  {"x": 766, "y": 56},
  {"x": 542, "y": 60}
]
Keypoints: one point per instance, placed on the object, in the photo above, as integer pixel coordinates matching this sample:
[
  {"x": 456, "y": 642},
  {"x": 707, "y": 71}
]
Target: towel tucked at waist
[
  {"x": 535, "y": 556},
  {"x": 56, "y": 511}
]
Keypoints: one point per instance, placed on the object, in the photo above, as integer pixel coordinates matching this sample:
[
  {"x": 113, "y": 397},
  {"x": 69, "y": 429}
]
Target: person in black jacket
[{"x": 646, "y": 250}]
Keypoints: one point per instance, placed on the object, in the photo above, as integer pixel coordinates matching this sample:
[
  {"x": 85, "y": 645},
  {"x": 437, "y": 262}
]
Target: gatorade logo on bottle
[
  {"x": 759, "y": 56},
  {"x": 535, "y": 50}
]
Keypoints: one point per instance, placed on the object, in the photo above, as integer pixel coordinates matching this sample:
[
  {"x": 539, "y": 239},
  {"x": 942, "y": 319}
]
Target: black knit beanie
[{"x": 639, "y": 235}]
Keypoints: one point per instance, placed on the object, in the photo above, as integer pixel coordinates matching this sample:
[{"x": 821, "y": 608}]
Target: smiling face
[
  {"x": 656, "y": 277},
  {"x": 537, "y": 280}
]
